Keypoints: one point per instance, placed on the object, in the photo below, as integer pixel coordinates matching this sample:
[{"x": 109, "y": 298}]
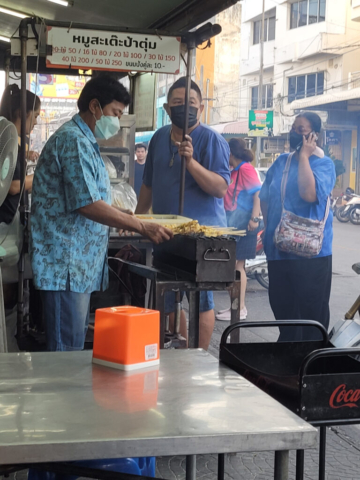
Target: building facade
[{"x": 311, "y": 62}]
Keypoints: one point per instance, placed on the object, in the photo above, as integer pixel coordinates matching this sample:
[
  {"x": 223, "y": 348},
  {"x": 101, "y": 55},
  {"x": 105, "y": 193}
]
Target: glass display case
[{"x": 118, "y": 152}]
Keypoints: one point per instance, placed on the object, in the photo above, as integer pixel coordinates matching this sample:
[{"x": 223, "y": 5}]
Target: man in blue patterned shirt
[{"x": 71, "y": 214}]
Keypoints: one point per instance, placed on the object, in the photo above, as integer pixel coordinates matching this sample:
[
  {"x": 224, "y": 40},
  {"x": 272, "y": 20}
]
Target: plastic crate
[{"x": 143, "y": 466}]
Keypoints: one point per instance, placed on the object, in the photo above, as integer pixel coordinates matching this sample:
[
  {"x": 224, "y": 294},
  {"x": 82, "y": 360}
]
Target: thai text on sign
[{"x": 98, "y": 50}]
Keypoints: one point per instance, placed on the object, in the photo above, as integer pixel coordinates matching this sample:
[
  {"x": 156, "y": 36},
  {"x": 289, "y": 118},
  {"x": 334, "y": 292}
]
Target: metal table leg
[
  {"x": 235, "y": 310},
  {"x": 194, "y": 304},
  {"x": 3, "y": 338},
  {"x": 322, "y": 453},
  {"x": 221, "y": 466},
  {"x": 159, "y": 304},
  {"x": 191, "y": 467},
  {"x": 300, "y": 457},
  {"x": 281, "y": 470},
  {"x": 148, "y": 263}
]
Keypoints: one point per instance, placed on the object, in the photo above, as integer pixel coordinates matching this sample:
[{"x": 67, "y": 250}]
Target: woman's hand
[
  {"x": 309, "y": 145},
  {"x": 252, "y": 226}
]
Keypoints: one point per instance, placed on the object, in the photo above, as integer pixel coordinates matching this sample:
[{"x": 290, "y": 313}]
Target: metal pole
[
  {"x": 207, "y": 100},
  {"x": 322, "y": 453},
  {"x": 261, "y": 74},
  {"x": 185, "y": 128},
  {"x": 23, "y": 31},
  {"x": 300, "y": 457},
  {"x": 7, "y": 70},
  {"x": 221, "y": 466},
  {"x": 281, "y": 470},
  {"x": 191, "y": 467}
]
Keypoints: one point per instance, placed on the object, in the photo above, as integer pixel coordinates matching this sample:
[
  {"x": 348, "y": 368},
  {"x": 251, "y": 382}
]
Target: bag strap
[
  {"x": 236, "y": 184},
  {"x": 327, "y": 211},
  {"x": 285, "y": 177}
]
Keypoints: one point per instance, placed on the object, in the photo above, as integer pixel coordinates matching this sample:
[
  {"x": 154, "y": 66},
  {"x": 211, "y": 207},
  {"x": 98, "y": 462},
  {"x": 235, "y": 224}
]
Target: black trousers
[{"x": 300, "y": 290}]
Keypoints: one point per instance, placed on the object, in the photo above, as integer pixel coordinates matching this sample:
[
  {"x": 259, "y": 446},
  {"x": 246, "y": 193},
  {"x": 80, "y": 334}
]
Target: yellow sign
[{"x": 57, "y": 86}]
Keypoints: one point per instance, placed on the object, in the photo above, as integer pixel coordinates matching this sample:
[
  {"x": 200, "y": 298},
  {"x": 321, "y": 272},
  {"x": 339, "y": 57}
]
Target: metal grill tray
[{"x": 206, "y": 259}]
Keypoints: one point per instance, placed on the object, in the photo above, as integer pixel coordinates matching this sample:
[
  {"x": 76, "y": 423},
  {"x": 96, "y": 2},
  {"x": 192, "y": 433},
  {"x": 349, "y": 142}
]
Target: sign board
[
  {"x": 145, "y": 102},
  {"x": 100, "y": 50},
  {"x": 261, "y": 122},
  {"x": 56, "y": 86},
  {"x": 333, "y": 137}
]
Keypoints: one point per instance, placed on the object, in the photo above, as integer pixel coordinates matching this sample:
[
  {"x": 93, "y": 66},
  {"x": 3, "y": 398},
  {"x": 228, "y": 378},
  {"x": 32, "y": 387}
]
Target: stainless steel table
[{"x": 59, "y": 407}]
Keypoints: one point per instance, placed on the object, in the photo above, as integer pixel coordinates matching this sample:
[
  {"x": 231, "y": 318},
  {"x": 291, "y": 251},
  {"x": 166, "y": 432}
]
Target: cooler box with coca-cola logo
[{"x": 318, "y": 382}]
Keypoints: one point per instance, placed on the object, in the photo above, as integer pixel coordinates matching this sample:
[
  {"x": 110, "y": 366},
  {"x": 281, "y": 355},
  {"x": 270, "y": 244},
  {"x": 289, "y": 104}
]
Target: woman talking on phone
[{"x": 298, "y": 230}]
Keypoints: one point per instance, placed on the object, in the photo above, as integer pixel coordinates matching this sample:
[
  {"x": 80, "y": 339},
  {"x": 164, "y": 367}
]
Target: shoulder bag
[{"x": 298, "y": 235}]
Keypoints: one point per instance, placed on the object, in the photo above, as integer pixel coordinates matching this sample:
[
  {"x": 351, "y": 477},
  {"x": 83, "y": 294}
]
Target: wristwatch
[{"x": 255, "y": 219}]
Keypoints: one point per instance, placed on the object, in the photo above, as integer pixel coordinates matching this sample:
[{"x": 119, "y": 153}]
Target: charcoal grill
[
  {"x": 307, "y": 377},
  {"x": 199, "y": 258}
]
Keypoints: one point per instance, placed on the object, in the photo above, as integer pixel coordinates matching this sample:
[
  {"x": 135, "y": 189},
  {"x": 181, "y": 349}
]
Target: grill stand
[{"x": 163, "y": 282}]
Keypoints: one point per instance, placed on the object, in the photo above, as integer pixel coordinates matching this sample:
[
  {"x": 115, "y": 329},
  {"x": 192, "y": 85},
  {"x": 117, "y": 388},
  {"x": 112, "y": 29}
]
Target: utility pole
[{"x": 261, "y": 80}]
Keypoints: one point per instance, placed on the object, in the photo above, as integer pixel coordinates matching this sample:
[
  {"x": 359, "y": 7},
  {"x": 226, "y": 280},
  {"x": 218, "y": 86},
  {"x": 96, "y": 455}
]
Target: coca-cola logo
[{"x": 344, "y": 398}]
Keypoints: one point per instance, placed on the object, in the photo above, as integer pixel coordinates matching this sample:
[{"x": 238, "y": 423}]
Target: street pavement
[{"x": 343, "y": 443}]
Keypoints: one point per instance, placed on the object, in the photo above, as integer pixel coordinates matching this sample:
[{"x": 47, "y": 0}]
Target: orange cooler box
[{"x": 126, "y": 337}]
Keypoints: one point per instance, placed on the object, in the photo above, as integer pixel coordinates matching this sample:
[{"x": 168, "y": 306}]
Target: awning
[
  {"x": 331, "y": 97},
  {"x": 240, "y": 127},
  {"x": 177, "y": 15}
]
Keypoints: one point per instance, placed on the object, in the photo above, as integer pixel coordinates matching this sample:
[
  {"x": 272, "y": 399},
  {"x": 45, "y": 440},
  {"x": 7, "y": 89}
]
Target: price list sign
[{"x": 98, "y": 50}]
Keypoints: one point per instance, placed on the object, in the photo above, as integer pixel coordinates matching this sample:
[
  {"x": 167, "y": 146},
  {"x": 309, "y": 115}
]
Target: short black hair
[
  {"x": 104, "y": 88},
  {"x": 239, "y": 150},
  {"x": 140, "y": 145},
  {"x": 181, "y": 83},
  {"x": 314, "y": 120}
]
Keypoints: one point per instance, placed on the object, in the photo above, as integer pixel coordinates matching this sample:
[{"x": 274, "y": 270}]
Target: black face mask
[
  {"x": 178, "y": 116},
  {"x": 296, "y": 140}
]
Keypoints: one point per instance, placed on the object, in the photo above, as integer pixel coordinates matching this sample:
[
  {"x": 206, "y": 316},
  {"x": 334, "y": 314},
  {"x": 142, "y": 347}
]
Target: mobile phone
[{"x": 299, "y": 146}]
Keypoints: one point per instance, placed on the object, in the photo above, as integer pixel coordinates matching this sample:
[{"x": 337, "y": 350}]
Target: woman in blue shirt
[{"x": 299, "y": 288}]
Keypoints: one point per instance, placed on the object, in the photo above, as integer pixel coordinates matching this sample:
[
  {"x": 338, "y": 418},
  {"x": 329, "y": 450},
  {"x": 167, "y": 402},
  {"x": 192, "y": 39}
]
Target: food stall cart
[{"x": 70, "y": 46}]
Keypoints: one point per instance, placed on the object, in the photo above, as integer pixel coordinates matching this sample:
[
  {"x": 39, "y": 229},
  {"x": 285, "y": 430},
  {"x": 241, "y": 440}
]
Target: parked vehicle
[
  {"x": 352, "y": 210},
  {"x": 339, "y": 208}
]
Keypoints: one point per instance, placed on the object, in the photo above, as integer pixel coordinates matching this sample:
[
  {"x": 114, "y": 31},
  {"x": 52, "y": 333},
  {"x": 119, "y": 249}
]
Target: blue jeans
[
  {"x": 206, "y": 301},
  {"x": 66, "y": 318}
]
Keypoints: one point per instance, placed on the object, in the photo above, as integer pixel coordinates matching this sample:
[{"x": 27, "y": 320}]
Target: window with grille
[
  {"x": 269, "y": 30},
  {"x": 267, "y": 97},
  {"x": 306, "y": 12},
  {"x": 303, "y": 86}
]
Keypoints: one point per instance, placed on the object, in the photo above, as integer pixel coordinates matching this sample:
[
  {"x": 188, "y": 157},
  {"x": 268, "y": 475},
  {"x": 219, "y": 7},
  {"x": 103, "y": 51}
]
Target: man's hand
[
  {"x": 185, "y": 149},
  {"x": 252, "y": 226},
  {"x": 33, "y": 156},
  {"x": 156, "y": 233}
]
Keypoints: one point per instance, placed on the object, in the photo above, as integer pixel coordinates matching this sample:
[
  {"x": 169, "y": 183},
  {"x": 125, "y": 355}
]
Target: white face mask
[{"x": 107, "y": 126}]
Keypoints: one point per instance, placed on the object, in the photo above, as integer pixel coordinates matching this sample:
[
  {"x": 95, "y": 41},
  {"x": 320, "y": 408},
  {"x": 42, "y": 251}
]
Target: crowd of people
[{"x": 71, "y": 207}]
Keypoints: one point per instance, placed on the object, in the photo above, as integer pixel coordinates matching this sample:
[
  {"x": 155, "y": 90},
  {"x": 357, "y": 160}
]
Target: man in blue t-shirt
[
  {"x": 207, "y": 178},
  {"x": 140, "y": 152}
]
